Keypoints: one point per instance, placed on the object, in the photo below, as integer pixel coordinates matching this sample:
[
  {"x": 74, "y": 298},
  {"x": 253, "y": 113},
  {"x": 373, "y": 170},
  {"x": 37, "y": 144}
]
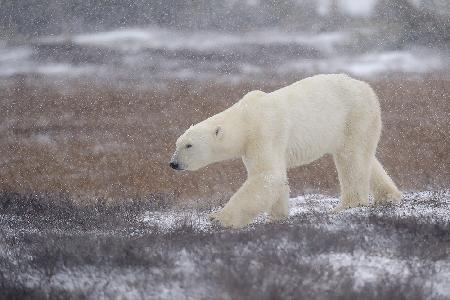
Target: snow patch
[
  {"x": 166, "y": 221},
  {"x": 368, "y": 64},
  {"x": 158, "y": 38},
  {"x": 14, "y": 54},
  {"x": 44, "y": 139},
  {"x": 50, "y": 69},
  {"x": 358, "y": 8}
]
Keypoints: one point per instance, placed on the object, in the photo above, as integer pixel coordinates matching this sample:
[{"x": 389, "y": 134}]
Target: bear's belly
[
  {"x": 300, "y": 156},
  {"x": 308, "y": 146}
]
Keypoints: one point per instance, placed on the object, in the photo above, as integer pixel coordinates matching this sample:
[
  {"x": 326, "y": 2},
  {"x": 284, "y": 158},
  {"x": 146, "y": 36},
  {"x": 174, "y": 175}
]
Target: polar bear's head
[
  {"x": 213, "y": 140},
  {"x": 221, "y": 137}
]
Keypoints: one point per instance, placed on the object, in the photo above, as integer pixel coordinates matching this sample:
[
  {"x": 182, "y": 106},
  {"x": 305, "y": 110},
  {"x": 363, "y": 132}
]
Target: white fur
[{"x": 290, "y": 127}]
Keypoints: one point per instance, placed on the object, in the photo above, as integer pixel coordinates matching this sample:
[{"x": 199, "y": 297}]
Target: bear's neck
[{"x": 236, "y": 132}]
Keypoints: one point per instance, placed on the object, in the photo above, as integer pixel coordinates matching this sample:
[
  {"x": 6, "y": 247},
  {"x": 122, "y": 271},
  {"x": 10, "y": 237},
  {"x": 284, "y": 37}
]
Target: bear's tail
[{"x": 382, "y": 187}]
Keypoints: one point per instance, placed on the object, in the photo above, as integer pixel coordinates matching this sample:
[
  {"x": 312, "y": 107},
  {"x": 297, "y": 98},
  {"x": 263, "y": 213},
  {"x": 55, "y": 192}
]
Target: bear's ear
[{"x": 218, "y": 133}]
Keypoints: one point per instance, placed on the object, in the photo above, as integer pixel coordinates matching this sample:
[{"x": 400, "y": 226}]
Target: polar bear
[{"x": 290, "y": 127}]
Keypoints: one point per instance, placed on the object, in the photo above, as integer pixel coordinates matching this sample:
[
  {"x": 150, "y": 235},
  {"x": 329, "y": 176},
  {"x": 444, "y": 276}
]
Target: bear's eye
[{"x": 188, "y": 146}]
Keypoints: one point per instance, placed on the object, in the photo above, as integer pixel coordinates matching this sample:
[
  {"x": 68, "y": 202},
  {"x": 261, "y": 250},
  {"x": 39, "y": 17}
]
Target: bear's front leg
[
  {"x": 258, "y": 194},
  {"x": 280, "y": 209}
]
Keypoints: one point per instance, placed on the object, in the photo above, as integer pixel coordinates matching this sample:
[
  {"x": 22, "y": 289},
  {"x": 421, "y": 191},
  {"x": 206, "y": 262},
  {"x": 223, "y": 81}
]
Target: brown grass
[{"x": 92, "y": 140}]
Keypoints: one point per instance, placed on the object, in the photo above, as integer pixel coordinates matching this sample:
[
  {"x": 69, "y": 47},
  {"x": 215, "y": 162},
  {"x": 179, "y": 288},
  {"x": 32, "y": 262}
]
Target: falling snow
[{"x": 94, "y": 93}]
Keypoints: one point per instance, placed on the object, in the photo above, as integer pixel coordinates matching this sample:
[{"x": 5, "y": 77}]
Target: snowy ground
[
  {"x": 136, "y": 250},
  {"x": 415, "y": 205},
  {"x": 154, "y": 55}
]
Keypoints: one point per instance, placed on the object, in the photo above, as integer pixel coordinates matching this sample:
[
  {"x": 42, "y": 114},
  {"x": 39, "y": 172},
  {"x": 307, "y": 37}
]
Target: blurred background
[{"x": 93, "y": 94}]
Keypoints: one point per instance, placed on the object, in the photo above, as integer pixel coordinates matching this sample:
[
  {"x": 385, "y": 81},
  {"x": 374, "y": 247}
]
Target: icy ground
[{"x": 53, "y": 250}]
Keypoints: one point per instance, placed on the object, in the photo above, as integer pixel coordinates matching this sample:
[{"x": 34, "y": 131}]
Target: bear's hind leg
[
  {"x": 354, "y": 174},
  {"x": 382, "y": 187}
]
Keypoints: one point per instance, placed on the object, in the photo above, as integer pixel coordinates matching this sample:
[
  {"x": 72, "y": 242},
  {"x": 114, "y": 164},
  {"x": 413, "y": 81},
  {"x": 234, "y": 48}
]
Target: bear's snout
[{"x": 174, "y": 165}]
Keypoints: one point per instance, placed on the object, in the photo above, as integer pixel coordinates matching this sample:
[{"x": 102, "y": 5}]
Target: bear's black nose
[{"x": 174, "y": 165}]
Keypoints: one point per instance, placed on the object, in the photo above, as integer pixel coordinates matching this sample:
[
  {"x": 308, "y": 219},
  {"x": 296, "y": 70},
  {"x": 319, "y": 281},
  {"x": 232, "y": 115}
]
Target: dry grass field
[{"x": 94, "y": 141}]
